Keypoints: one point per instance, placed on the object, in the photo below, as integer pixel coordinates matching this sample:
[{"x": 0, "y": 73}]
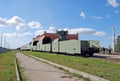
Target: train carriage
[{"x": 62, "y": 42}]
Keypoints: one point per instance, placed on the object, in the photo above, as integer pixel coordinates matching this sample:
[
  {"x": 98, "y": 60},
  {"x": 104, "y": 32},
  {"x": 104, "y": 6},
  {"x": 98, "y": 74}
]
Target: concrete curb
[
  {"x": 17, "y": 72},
  {"x": 92, "y": 77}
]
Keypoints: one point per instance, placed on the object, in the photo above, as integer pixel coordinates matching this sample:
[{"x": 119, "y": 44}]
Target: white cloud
[
  {"x": 50, "y": 30},
  {"x": 20, "y": 26},
  {"x": 65, "y": 29},
  {"x": 116, "y": 11},
  {"x": 14, "y": 34},
  {"x": 97, "y": 17},
  {"x": 39, "y": 32},
  {"x": 18, "y": 22},
  {"x": 24, "y": 34},
  {"x": 81, "y": 31},
  {"x": 86, "y": 31},
  {"x": 113, "y": 3},
  {"x": 34, "y": 24},
  {"x": 100, "y": 33},
  {"x": 108, "y": 16},
  {"x": 3, "y": 22},
  {"x": 15, "y": 20},
  {"x": 82, "y": 14}
]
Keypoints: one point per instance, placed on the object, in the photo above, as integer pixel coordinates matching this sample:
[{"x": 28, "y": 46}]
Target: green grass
[
  {"x": 23, "y": 78},
  {"x": 7, "y": 67},
  {"x": 98, "y": 67}
]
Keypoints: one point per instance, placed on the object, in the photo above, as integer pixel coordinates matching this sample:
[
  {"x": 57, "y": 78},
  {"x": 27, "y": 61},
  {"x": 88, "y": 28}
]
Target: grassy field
[
  {"x": 98, "y": 67},
  {"x": 7, "y": 67},
  {"x": 22, "y": 75}
]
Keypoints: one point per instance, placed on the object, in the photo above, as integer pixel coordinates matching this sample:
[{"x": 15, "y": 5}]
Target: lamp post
[{"x": 113, "y": 39}]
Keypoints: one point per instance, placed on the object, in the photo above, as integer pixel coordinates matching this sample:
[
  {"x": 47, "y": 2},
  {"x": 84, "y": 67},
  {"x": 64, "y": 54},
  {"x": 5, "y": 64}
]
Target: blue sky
[{"x": 22, "y": 20}]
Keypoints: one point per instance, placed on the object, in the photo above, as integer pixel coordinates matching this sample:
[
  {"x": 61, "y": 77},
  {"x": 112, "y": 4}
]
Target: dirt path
[{"x": 38, "y": 71}]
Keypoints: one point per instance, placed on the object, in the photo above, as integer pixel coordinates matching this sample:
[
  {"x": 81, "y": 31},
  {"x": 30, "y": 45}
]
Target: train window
[
  {"x": 35, "y": 43},
  {"x": 47, "y": 40}
]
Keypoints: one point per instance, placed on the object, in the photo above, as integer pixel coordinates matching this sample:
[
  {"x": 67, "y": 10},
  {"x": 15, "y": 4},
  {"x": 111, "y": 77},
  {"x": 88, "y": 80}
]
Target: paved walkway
[{"x": 36, "y": 70}]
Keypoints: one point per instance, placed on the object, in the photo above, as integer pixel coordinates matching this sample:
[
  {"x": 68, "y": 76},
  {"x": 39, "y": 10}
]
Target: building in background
[{"x": 118, "y": 44}]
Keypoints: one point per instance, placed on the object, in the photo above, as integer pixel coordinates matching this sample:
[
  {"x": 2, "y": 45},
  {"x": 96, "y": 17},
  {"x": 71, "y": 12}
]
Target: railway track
[{"x": 111, "y": 58}]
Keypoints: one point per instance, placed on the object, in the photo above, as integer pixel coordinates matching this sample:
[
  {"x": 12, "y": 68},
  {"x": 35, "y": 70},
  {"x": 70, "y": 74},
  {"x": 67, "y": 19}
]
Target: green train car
[{"x": 84, "y": 47}]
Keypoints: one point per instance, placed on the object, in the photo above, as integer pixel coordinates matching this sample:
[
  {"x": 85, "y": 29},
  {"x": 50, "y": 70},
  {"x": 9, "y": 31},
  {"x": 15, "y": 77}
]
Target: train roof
[{"x": 54, "y": 36}]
